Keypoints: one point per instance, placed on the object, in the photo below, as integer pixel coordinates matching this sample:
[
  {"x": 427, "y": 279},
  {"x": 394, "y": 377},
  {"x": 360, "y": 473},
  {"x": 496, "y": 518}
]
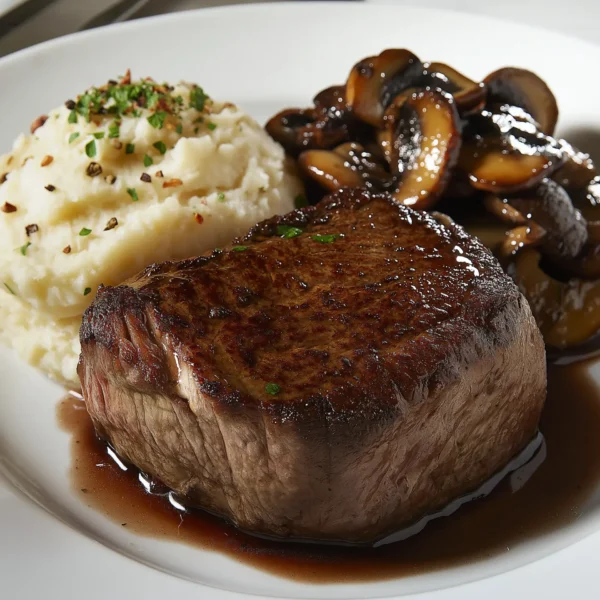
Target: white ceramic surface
[{"x": 262, "y": 58}]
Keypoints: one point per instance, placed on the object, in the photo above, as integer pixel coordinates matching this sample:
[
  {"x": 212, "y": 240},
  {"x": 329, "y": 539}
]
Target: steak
[{"x": 335, "y": 375}]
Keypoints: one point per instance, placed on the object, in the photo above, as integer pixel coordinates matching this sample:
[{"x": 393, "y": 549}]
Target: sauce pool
[{"x": 553, "y": 496}]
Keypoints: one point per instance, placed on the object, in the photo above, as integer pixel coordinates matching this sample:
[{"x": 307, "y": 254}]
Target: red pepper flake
[
  {"x": 67, "y": 249},
  {"x": 46, "y": 160},
  {"x": 172, "y": 183},
  {"x": 9, "y": 208},
  {"x": 38, "y": 123},
  {"x": 199, "y": 218},
  {"x": 33, "y": 228},
  {"x": 158, "y": 174}
]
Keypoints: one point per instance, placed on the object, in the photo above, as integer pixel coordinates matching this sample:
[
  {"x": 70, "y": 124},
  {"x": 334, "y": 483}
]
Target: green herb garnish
[
  {"x": 73, "y": 137},
  {"x": 85, "y": 231},
  {"x": 300, "y": 201},
  {"x": 129, "y": 148},
  {"x": 272, "y": 388},
  {"x": 147, "y": 160},
  {"x": 73, "y": 116},
  {"x": 99, "y": 135},
  {"x": 24, "y": 248},
  {"x": 90, "y": 148},
  {"x": 160, "y": 146},
  {"x": 221, "y": 197},
  {"x": 133, "y": 193},
  {"x": 240, "y": 248},
  {"x": 327, "y": 238},
  {"x": 114, "y": 130},
  {"x": 87, "y": 291},
  {"x": 179, "y": 128},
  {"x": 211, "y": 126},
  {"x": 198, "y": 98},
  {"x": 9, "y": 288},
  {"x": 288, "y": 232},
  {"x": 157, "y": 120}
]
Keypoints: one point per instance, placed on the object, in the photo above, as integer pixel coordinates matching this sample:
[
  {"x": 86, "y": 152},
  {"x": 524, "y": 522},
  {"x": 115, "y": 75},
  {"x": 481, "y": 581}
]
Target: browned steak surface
[{"x": 335, "y": 375}]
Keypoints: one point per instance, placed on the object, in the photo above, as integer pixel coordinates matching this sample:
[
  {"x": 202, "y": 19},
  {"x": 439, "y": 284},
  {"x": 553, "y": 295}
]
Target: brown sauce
[{"x": 552, "y": 497}]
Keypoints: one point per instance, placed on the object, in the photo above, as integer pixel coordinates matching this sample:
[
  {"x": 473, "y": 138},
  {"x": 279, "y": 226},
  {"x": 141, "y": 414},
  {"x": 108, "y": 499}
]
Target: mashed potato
[{"x": 126, "y": 175}]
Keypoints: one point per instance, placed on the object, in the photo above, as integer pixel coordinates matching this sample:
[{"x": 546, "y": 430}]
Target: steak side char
[{"x": 335, "y": 383}]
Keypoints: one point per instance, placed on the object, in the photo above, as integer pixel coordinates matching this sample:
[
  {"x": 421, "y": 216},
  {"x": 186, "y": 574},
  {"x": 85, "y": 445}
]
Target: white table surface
[{"x": 579, "y": 18}]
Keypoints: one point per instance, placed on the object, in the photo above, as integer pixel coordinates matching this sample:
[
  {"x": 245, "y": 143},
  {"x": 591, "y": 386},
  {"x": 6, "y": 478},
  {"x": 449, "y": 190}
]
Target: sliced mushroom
[
  {"x": 578, "y": 170},
  {"x": 425, "y": 132},
  {"x": 567, "y": 313},
  {"x": 375, "y": 81},
  {"x": 469, "y": 95},
  {"x": 505, "y": 153},
  {"x": 524, "y": 236},
  {"x": 525, "y": 89},
  {"x": 501, "y": 209},
  {"x": 349, "y": 165},
  {"x": 587, "y": 199}
]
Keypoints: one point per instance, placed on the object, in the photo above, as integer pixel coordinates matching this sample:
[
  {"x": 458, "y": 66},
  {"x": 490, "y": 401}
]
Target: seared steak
[{"x": 335, "y": 375}]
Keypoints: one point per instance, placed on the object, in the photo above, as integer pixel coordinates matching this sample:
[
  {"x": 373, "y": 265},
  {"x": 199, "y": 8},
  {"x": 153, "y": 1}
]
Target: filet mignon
[{"x": 335, "y": 375}]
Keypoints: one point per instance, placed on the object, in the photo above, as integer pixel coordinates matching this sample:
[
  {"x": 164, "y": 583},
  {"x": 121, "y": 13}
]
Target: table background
[{"x": 579, "y": 18}]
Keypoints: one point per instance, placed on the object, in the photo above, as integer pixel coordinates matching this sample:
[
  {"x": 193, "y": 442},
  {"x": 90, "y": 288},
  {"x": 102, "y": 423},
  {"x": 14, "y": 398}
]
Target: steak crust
[{"x": 407, "y": 366}]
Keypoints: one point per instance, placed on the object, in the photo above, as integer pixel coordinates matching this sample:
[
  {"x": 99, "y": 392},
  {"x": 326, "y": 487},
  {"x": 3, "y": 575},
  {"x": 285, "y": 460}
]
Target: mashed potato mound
[{"x": 119, "y": 179}]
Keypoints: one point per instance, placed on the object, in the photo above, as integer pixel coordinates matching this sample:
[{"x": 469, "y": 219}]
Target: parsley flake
[
  {"x": 73, "y": 136},
  {"x": 133, "y": 193},
  {"x": 160, "y": 146},
  {"x": 288, "y": 232},
  {"x": 129, "y": 148},
  {"x": 24, "y": 248},
  {"x": 211, "y": 126},
  {"x": 147, "y": 160},
  {"x": 114, "y": 130},
  {"x": 240, "y": 248},
  {"x": 198, "y": 98},
  {"x": 179, "y": 128},
  {"x": 327, "y": 238},
  {"x": 87, "y": 291},
  {"x": 221, "y": 197},
  {"x": 157, "y": 120},
  {"x": 90, "y": 148},
  {"x": 99, "y": 135},
  {"x": 85, "y": 231},
  {"x": 73, "y": 116},
  {"x": 272, "y": 388},
  {"x": 9, "y": 288}
]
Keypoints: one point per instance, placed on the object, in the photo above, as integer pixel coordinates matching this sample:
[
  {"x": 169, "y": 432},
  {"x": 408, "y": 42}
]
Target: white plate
[
  {"x": 263, "y": 57},
  {"x": 8, "y": 5}
]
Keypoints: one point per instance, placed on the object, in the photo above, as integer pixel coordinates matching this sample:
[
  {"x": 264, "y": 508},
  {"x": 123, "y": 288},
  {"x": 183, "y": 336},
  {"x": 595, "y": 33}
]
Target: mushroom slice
[
  {"x": 550, "y": 207},
  {"x": 469, "y": 95},
  {"x": 503, "y": 152},
  {"x": 375, "y": 81},
  {"x": 517, "y": 239},
  {"x": 578, "y": 170},
  {"x": 349, "y": 165},
  {"x": 587, "y": 199},
  {"x": 567, "y": 313},
  {"x": 525, "y": 89},
  {"x": 500, "y": 208},
  {"x": 426, "y": 140}
]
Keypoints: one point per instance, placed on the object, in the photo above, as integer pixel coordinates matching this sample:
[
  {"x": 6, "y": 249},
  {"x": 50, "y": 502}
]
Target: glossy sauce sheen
[{"x": 552, "y": 497}]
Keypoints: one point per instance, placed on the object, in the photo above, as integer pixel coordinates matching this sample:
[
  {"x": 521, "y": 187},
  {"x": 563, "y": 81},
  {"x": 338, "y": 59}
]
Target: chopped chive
[
  {"x": 90, "y": 148},
  {"x": 300, "y": 201},
  {"x": 73, "y": 116},
  {"x": 157, "y": 120},
  {"x": 73, "y": 136},
  {"x": 114, "y": 130},
  {"x": 9, "y": 288},
  {"x": 87, "y": 291},
  {"x": 129, "y": 149},
  {"x": 24, "y": 248},
  {"x": 288, "y": 232},
  {"x": 133, "y": 193},
  {"x": 272, "y": 388},
  {"x": 160, "y": 146},
  {"x": 147, "y": 160},
  {"x": 240, "y": 248},
  {"x": 99, "y": 135},
  {"x": 326, "y": 238},
  {"x": 211, "y": 126},
  {"x": 85, "y": 231}
]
